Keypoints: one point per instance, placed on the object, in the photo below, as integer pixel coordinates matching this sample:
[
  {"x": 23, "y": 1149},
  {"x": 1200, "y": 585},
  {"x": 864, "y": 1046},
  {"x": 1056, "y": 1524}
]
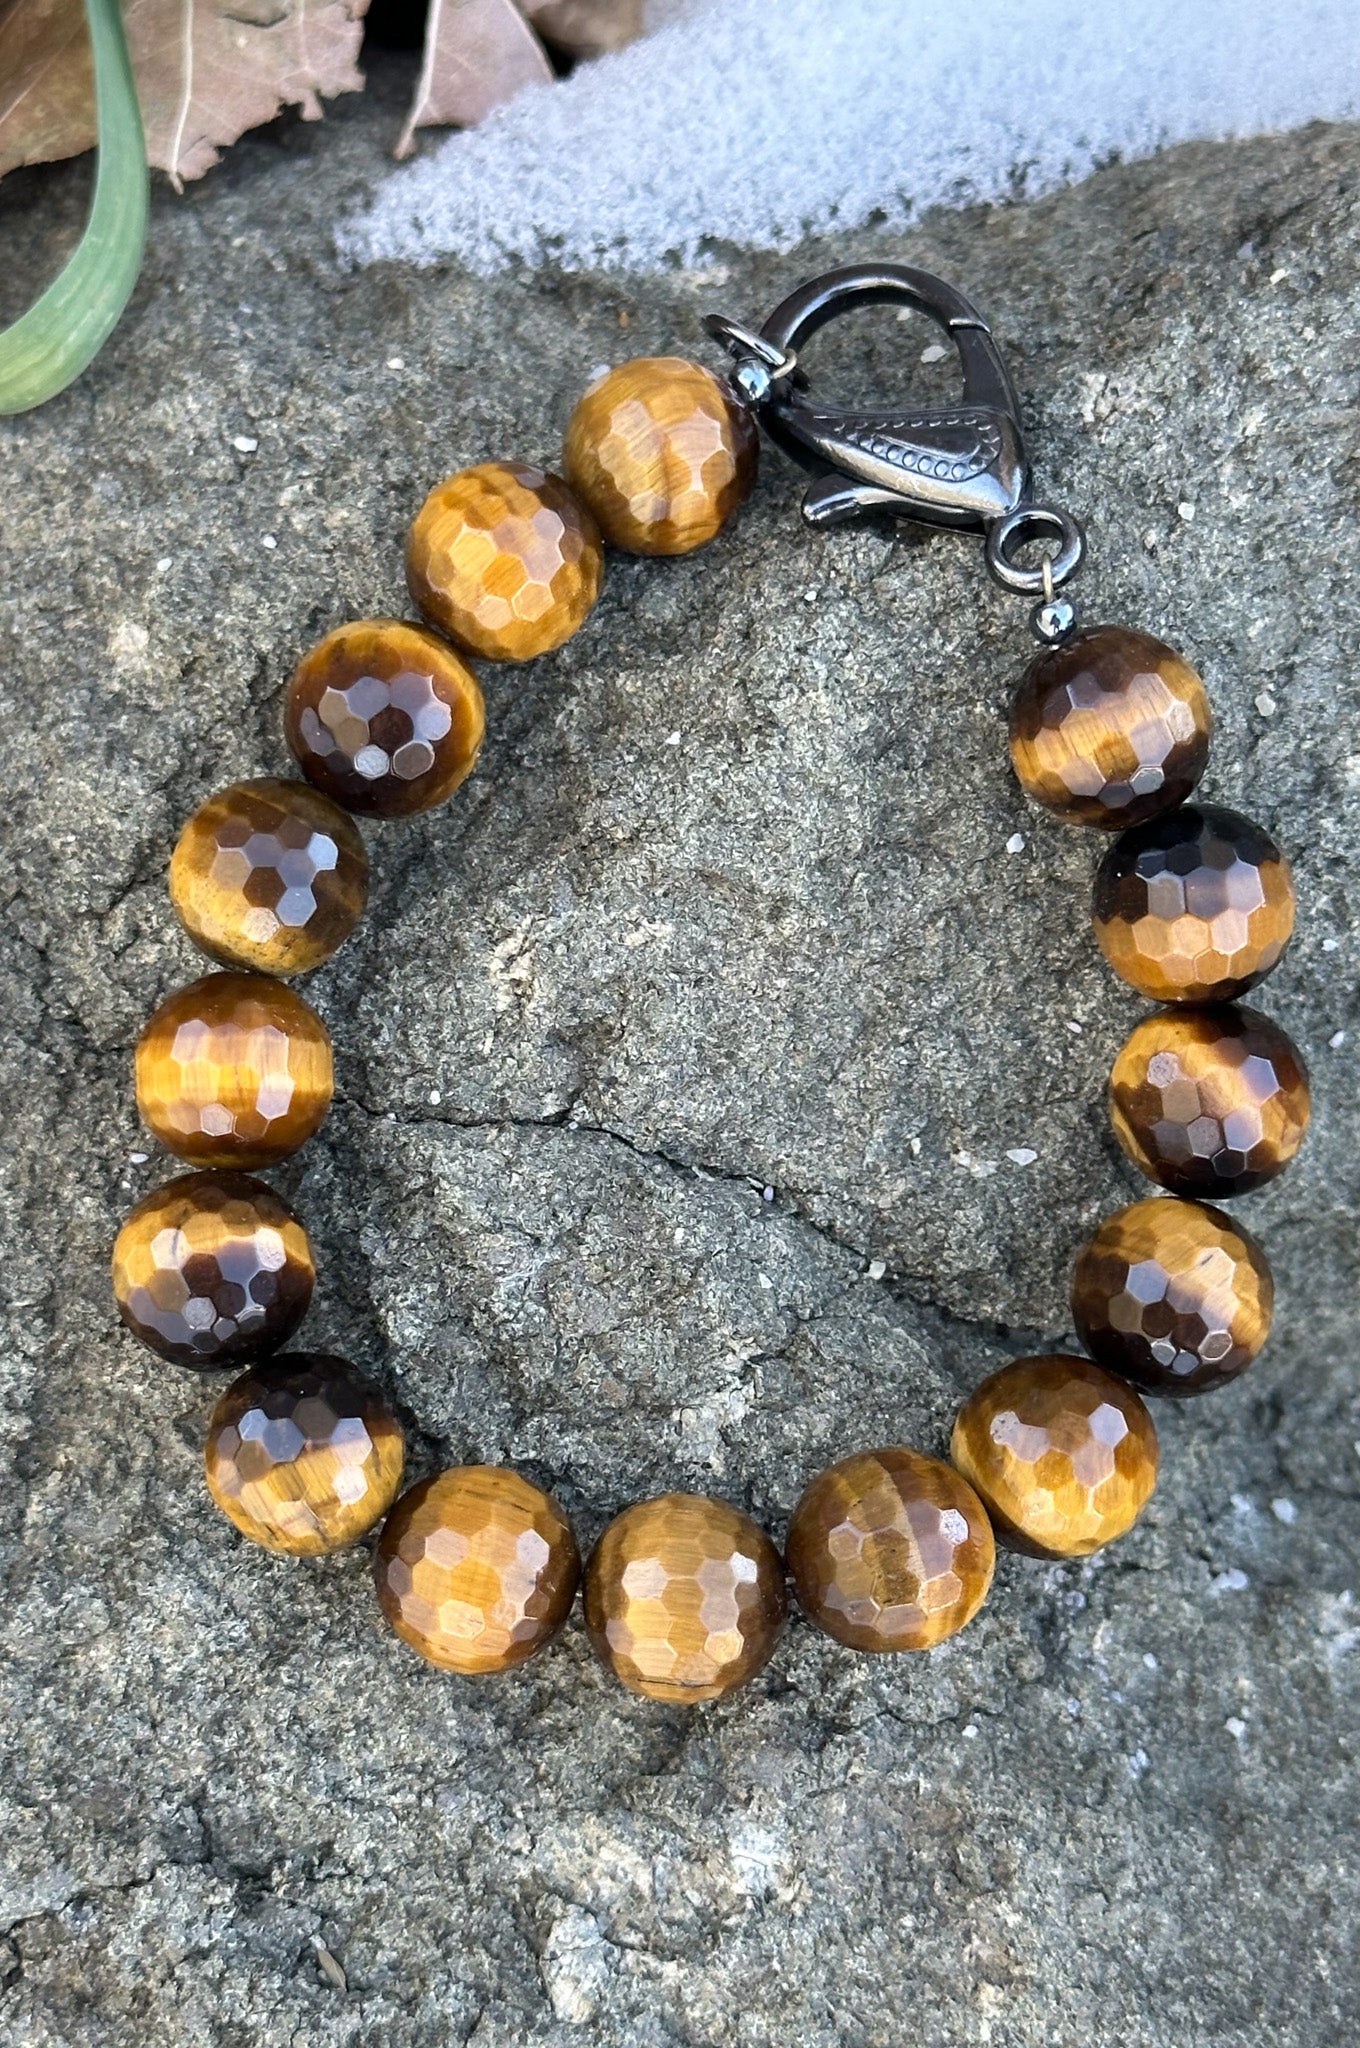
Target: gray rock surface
[{"x": 717, "y": 987}]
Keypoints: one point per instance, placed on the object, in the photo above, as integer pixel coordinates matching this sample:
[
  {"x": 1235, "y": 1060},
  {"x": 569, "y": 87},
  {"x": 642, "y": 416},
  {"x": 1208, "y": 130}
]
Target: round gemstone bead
[
  {"x": 684, "y": 1598},
  {"x": 385, "y": 718},
  {"x": 662, "y": 455},
  {"x": 477, "y": 1568},
  {"x": 1210, "y": 1102},
  {"x": 234, "y": 1070},
  {"x": 1063, "y": 1455},
  {"x": 303, "y": 1455},
  {"x": 890, "y": 1550},
  {"x": 270, "y": 875},
  {"x": 1173, "y": 1296},
  {"x": 1110, "y": 727},
  {"x": 1195, "y": 906},
  {"x": 212, "y": 1268},
  {"x": 505, "y": 560}
]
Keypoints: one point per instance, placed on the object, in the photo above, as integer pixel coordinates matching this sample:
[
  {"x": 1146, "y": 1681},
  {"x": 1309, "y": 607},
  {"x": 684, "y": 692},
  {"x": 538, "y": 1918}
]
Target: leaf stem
[{"x": 50, "y": 344}]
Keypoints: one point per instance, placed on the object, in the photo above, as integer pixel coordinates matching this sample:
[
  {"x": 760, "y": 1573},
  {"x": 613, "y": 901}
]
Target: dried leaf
[
  {"x": 586, "y": 28},
  {"x": 477, "y": 54},
  {"x": 47, "y": 94},
  {"x": 205, "y": 75},
  {"x": 206, "y": 71}
]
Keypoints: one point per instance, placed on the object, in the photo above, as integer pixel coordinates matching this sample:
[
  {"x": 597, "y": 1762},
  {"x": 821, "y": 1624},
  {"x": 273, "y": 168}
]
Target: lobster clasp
[{"x": 961, "y": 465}]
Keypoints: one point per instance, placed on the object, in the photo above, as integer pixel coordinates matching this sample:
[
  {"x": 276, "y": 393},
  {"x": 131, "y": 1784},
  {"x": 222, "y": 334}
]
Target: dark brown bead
[
  {"x": 1063, "y": 1455},
  {"x": 684, "y": 1597},
  {"x": 270, "y": 875},
  {"x": 662, "y": 455},
  {"x": 303, "y": 1454},
  {"x": 890, "y": 1550},
  {"x": 477, "y": 1568},
  {"x": 1173, "y": 1296},
  {"x": 1210, "y": 1102},
  {"x": 212, "y": 1268},
  {"x": 1109, "y": 728},
  {"x": 505, "y": 560},
  {"x": 385, "y": 717},
  {"x": 1194, "y": 907},
  {"x": 234, "y": 1070}
]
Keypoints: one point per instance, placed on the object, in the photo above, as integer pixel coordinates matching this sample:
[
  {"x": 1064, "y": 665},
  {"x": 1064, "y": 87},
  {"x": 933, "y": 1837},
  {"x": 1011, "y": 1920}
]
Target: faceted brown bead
[
  {"x": 1196, "y": 906},
  {"x": 477, "y": 1568},
  {"x": 234, "y": 1070},
  {"x": 212, "y": 1268},
  {"x": 1063, "y": 1455},
  {"x": 684, "y": 1597},
  {"x": 890, "y": 1550},
  {"x": 270, "y": 875},
  {"x": 1109, "y": 728},
  {"x": 504, "y": 560},
  {"x": 1173, "y": 1296},
  {"x": 303, "y": 1455},
  {"x": 1210, "y": 1101},
  {"x": 385, "y": 718},
  {"x": 662, "y": 455}
]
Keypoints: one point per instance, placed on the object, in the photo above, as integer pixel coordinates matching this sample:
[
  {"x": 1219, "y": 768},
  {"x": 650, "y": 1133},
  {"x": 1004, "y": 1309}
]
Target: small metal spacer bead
[
  {"x": 1053, "y": 620},
  {"x": 753, "y": 381}
]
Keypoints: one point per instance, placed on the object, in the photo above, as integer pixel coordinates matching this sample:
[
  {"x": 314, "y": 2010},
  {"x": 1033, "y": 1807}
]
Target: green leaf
[{"x": 49, "y": 345}]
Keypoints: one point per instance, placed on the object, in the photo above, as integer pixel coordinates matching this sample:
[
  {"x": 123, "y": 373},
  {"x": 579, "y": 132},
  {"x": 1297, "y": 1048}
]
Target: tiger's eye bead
[
  {"x": 234, "y": 1070},
  {"x": 477, "y": 1568},
  {"x": 1063, "y": 1455},
  {"x": 1210, "y": 1102},
  {"x": 662, "y": 455},
  {"x": 212, "y": 1268},
  {"x": 890, "y": 1550},
  {"x": 684, "y": 1598},
  {"x": 504, "y": 560},
  {"x": 385, "y": 718},
  {"x": 1173, "y": 1296},
  {"x": 303, "y": 1455},
  {"x": 270, "y": 875},
  {"x": 1194, "y": 907},
  {"x": 1110, "y": 727}
]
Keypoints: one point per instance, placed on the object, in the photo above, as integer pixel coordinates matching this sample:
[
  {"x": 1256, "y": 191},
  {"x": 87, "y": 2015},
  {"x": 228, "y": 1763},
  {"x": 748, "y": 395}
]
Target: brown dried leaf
[
  {"x": 46, "y": 82},
  {"x": 204, "y": 74},
  {"x": 586, "y": 28},
  {"x": 478, "y": 53}
]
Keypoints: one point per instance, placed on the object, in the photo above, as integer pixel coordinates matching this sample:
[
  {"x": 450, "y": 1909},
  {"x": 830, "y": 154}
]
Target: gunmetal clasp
[{"x": 962, "y": 466}]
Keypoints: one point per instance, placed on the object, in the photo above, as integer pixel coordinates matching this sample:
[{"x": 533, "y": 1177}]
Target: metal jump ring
[
  {"x": 1030, "y": 523},
  {"x": 780, "y": 362}
]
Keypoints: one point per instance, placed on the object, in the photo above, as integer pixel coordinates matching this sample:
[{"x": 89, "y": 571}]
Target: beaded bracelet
[{"x": 889, "y": 1549}]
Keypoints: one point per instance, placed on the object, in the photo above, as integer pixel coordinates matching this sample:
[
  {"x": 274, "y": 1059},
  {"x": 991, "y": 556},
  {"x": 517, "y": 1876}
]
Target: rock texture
[{"x": 681, "y": 1059}]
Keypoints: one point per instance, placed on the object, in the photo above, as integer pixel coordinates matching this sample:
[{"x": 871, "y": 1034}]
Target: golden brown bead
[
  {"x": 234, "y": 1070},
  {"x": 477, "y": 1568},
  {"x": 684, "y": 1597},
  {"x": 1194, "y": 907},
  {"x": 270, "y": 875},
  {"x": 662, "y": 455},
  {"x": 1174, "y": 1296},
  {"x": 890, "y": 1550},
  {"x": 212, "y": 1268},
  {"x": 303, "y": 1455},
  {"x": 1209, "y": 1102},
  {"x": 1109, "y": 728},
  {"x": 504, "y": 560},
  {"x": 384, "y": 717},
  {"x": 1063, "y": 1455}
]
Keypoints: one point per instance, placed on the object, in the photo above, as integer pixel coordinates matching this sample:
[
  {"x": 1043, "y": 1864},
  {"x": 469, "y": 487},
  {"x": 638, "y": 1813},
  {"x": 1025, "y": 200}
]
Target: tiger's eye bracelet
[{"x": 889, "y": 1549}]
